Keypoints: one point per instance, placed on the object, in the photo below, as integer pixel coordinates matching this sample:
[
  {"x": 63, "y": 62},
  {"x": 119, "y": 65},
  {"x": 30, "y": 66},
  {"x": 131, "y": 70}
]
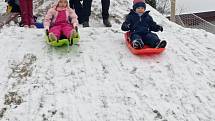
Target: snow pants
[
  {"x": 26, "y": 7},
  {"x": 62, "y": 29},
  {"x": 105, "y": 8},
  {"x": 150, "y": 39},
  {"x": 84, "y": 10}
]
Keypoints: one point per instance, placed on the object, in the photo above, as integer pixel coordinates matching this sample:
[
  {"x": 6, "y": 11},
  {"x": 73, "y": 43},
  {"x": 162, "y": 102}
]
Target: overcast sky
[{"x": 189, "y": 6}]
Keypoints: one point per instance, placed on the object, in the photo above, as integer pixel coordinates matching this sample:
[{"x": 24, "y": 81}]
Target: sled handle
[
  {"x": 76, "y": 29},
  {"x": 71, "y": 41},
  {"x": 47, "y": 34}
]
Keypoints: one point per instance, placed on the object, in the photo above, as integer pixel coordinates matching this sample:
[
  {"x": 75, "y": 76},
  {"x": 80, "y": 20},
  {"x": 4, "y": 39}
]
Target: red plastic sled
[{"x": 145, "y": 51}]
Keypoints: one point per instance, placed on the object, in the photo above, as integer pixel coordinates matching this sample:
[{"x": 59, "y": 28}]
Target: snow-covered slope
[{"x": 101, "y": 80}]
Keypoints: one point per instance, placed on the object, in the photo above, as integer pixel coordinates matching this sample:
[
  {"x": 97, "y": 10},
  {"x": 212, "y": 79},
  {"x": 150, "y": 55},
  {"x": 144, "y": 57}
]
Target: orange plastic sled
[{"x": 144, "y": 51}]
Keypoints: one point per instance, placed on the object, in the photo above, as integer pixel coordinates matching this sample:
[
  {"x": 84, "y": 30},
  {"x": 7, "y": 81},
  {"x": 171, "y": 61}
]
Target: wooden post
[{"x": 172, "y": 17}]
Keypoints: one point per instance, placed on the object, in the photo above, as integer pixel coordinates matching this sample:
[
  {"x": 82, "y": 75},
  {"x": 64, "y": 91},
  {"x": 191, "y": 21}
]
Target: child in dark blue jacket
[{"x": 140, "y": 24}]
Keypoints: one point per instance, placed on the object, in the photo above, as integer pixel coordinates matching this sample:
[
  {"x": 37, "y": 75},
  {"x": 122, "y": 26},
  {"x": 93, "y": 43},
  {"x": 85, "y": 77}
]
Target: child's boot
[
  {"x": 52, "y": 37},
  {"x": 137, "y": 44},
  {"x": 86, "y": 24},
  {"x": 162, "y": 44},
  {"x": 32, "y": 26},
  {"x": 107, "y": 23},
  {"x": 26, "y": 26}
]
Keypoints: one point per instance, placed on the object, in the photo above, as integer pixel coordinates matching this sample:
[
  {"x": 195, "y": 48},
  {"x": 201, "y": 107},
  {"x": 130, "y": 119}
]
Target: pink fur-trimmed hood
[{"x": 52, "y": 13}]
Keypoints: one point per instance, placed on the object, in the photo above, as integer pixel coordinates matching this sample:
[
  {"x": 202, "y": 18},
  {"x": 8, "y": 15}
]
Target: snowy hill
[{"x": 101, "y": 80}]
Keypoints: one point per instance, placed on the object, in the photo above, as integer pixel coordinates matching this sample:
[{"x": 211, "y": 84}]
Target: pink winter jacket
[{"x": 52, "y": 13}]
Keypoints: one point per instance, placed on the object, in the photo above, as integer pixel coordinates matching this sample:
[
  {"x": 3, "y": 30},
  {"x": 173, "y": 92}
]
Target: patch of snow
[{"x": 101, "y": 80}]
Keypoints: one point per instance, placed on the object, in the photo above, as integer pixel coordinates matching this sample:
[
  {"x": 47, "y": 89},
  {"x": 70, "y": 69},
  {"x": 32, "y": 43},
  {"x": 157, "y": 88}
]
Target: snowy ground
[{"x": 102, "y": 81}]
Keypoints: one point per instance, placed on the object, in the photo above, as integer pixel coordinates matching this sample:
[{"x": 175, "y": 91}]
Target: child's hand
[
  {"x": 128, "y": 26},
  {"x": 47, "y": 28},
  {"x": 74, "y": 25},
  {"x": 125, "y": 27}
]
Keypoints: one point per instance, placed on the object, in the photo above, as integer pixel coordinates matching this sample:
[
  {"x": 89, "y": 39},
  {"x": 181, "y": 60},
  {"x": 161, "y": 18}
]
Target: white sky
[{"x": 189, "y": 6}]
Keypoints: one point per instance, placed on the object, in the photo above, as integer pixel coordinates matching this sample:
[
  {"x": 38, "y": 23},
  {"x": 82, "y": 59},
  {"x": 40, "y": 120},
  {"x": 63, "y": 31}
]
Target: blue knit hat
[{"x": 138, "y": 4}]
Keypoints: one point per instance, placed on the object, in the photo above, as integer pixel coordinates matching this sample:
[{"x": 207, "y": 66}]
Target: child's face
[
  {"x": 62, "y": 3},
  {"x": 140, "y": 10}
]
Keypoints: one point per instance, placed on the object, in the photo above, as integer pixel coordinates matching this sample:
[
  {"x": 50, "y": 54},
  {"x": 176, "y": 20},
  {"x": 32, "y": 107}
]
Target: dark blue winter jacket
[{"x": 140, "y": 24}]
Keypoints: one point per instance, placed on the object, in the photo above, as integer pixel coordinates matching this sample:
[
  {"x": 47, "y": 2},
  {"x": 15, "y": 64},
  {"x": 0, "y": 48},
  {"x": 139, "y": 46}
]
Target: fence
[{"x": 194, "y": 21}]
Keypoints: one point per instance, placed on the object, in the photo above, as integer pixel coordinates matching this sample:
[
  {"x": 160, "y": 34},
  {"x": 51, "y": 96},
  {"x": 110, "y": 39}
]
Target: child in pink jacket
[{"x": 61, "y": 19}]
